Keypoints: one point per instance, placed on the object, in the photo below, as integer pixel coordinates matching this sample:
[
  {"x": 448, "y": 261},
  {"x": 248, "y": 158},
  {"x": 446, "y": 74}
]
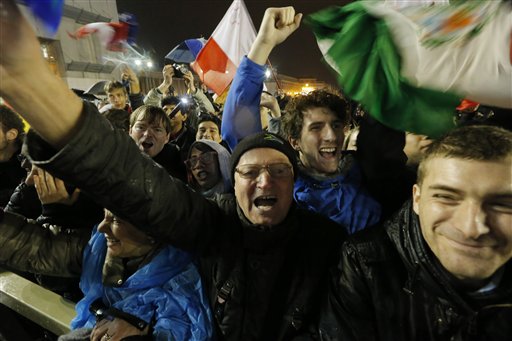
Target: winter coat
[
  {"x": 389, "y": 286},
  {"x": 262, "y": 284},
  {"x": 341, "y": 198},
  {"x": 164, "y": 292}
]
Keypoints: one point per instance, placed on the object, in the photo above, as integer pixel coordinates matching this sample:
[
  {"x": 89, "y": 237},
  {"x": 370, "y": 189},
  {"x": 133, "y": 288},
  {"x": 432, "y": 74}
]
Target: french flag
[{"x": 218, "y": 60}]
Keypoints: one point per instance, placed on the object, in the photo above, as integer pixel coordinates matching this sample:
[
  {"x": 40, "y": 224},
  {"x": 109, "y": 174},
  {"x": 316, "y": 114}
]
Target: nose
[
  {"x": 264, "y": 179},
  {"x": 328, "y": 133},
  {"x": 104, "y": 227},
  {"x": 471, "y": 220}
]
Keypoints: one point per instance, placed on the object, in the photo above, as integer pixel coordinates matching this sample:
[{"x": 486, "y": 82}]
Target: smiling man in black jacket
[{"x": 441, "y": 268}]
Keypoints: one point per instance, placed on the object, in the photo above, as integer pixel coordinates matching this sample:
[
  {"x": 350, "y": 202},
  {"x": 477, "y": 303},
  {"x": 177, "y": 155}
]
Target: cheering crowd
[{"x": 181, "y": 222}]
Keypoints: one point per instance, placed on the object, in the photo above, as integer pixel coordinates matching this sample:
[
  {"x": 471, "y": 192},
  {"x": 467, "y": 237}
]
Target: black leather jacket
[
  {"x": 263, "y": 284},
  {"x": 389, "y": 286}
]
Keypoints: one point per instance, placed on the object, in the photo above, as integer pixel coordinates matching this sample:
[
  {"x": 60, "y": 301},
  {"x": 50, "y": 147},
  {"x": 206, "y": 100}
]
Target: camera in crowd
[{"x": 180, "y": 70}]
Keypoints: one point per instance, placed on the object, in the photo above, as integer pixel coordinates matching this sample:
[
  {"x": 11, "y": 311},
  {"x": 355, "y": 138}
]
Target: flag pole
[{"x": 274, "y": 75}]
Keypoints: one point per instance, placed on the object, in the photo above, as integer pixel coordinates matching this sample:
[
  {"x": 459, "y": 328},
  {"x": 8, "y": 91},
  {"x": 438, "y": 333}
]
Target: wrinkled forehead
[{"x": 263, "y": 156}]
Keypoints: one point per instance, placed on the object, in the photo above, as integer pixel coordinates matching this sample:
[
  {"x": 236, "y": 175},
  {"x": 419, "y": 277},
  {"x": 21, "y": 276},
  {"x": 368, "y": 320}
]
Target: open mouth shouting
[
  {"x": 265, "y": 202},
  {"x": 328, "y": 152}
]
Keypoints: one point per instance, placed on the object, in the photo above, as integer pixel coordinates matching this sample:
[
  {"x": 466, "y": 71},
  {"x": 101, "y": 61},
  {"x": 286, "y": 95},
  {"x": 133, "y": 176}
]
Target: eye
[
  {"x": 445, "y": 197},
  {"x": 500, "y": 206},
  {"x": 337, "y": 125}
]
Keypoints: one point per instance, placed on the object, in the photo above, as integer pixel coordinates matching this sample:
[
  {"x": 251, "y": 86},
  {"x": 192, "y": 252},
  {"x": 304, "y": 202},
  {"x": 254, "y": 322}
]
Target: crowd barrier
[{"x": 42, "y": 306}]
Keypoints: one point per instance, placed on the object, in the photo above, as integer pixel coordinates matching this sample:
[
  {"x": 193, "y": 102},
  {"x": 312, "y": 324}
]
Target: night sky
[{"x": 165, "y": 23}]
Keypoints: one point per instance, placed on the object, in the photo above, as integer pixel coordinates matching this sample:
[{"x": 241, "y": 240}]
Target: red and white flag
[{"x": 218, "y": 60}]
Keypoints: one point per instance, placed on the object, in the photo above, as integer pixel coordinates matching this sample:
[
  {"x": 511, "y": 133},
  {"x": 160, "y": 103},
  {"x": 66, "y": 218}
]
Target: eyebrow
[
  {"x": 502, "y": 195},
  {"x": 445, "y": 188}
]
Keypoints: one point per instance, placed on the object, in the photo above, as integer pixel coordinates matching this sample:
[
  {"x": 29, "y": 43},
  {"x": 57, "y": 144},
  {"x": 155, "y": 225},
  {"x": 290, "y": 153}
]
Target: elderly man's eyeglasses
[
  {"x": 205, "y": 158},
  {"x": 276, "y": 170}
]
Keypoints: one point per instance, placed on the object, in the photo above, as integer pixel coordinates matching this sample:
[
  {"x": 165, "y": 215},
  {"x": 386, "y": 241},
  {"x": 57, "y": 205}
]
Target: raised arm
[
  {"x": 241, "y": 115},
  {"x": 27, "y": 83}
]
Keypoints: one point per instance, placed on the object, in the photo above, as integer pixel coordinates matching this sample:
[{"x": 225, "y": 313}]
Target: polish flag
[{"x": 218, "y": 60}]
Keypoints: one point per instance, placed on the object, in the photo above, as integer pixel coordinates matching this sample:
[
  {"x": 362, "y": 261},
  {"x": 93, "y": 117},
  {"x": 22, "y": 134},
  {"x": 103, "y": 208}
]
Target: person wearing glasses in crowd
[
  {"x": 208, "y": 168},
  {"x": 263, "y": 261}
]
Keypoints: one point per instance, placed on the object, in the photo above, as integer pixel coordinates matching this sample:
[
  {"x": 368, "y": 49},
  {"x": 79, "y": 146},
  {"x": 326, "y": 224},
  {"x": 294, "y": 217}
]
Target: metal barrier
[{"x": 36, "y": 303}]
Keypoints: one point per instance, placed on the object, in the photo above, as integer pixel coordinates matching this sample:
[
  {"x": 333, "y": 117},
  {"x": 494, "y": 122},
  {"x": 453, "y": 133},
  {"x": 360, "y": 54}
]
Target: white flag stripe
[{"x": 235, "y": 33}]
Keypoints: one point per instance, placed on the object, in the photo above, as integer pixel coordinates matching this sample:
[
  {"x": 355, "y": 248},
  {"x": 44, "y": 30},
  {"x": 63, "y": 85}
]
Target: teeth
[
  {"x": 327, "y": 150},
  {"x": 267, "y": 197}
]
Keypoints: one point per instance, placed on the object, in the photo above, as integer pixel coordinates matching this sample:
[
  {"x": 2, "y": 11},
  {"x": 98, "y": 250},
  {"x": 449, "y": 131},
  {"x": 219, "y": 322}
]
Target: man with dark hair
[
  {"x": 150, "y": 128},
  {"x": 11, "y": 138},
  {"x": 439, "y": 269},
  {"x": 208, "y": 128},
  {"x": 182, "y": 134},
  {"x": 328, "y": 181}
]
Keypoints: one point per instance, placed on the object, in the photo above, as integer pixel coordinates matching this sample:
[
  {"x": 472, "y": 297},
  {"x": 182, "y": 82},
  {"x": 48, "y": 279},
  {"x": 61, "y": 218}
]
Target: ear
[
  {"x": 294, "y": 143},
  {"x": 167, "y": 138},
  {"x": 11, "y": 134},
  {"x": 416, "y": 194}
]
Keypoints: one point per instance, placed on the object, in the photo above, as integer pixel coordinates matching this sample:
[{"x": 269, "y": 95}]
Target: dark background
[{"x": 165, "y": 23}]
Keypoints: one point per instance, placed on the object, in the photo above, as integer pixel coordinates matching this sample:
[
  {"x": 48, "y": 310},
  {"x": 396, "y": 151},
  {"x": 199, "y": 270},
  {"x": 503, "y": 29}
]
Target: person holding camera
[{"x": 155, "y": 95}]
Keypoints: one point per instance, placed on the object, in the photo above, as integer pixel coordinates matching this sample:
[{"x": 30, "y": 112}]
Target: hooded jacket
[
  {"x": 223, "y": 157},
  {"x": 262, "y": 283},
  {"x": 389, "y": 286}
]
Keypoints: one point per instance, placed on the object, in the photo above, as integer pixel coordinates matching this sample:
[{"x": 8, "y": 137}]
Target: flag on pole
[
  {"x": 218, "y": 60},
  {"x": 410, "y": 67}
]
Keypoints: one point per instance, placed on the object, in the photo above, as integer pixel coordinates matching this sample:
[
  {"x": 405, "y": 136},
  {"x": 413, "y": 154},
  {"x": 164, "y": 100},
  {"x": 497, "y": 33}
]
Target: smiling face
[
  {"x": 123, "y": 239},
  {"x": 264, "y": 200},
  {"x": 208, "y": 130},
  {"x": 465, "y": 212},
  {"x": 321, "y": 141},
  {"x": 149, "y": 137},
  {"x": 204, "y": 167}
]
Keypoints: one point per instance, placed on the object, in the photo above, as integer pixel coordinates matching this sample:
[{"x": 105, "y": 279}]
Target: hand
[
  {"x": 277, "y": 25},
  {"x": 270, "y": 102},
  {"x": 54, "y": 112},
  {"x": 115, "y": 330},
  {"x": 52, "y": 190},
  {"x": 168, "y": 73},
  {"x": 21, "y": 54},
  {"x": 131, "y": 76},
  {"x": 189, "y": 81}
]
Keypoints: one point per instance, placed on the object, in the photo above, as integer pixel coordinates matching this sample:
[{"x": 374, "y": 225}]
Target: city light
[
  {"x": 149, "y": 64},
  {"x": 138, "y": 62}
]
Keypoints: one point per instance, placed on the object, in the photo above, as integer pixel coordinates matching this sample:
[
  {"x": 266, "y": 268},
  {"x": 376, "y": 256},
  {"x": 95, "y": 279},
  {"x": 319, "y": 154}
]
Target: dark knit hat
[{"x": 263, "y": 140}]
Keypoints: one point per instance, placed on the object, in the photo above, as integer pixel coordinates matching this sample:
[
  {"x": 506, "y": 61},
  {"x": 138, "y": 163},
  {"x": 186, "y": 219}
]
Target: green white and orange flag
[{"x": 410, "y": 67}]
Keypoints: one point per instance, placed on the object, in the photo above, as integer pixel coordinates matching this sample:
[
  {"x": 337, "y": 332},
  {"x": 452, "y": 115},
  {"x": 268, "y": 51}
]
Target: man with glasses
[
  {"x": 208, "y": 168},
  {"x": 263, "y": 261}
]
